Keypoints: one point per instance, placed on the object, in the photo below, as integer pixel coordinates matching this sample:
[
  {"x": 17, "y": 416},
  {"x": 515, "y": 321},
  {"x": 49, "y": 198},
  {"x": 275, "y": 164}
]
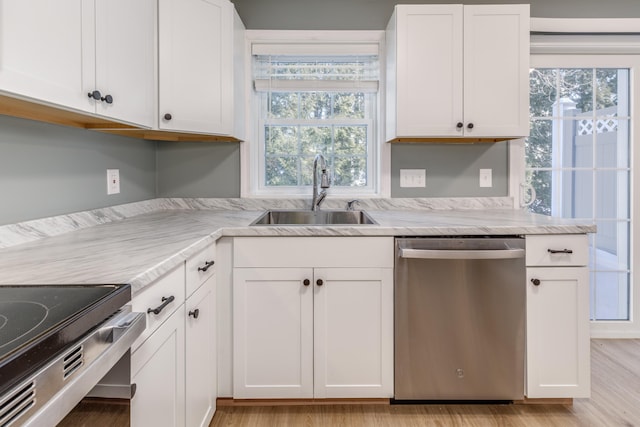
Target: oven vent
[
  {"x": 16, "y": 403},
  {"x": 73, "y": 361}
]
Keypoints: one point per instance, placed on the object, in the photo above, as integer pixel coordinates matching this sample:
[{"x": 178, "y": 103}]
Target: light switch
[
  {"x": 485, "y": 178},
  {"x": 413, "y": 178},
  {"x": 113, "y": 181}
]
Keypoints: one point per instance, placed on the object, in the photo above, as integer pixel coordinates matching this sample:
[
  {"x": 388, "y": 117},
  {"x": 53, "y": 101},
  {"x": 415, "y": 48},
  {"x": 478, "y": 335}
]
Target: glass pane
[
  {"x": 281, "y": 140},
  {"x": 577, "y": 143},
  {"x": 608, "y": 84},
  {"x": 541, "y": 181},
  {"x": 348, "y": 105},
  {"x": 350, "y": 140},
  {"x": 576, "y": 84},
  {"x": 612, "y": 295},
  {"x": 542, "y": 84},
  {"x": 350, "y": 172},
  {"x": 315, "y": 105},
  {"x": 283, "y": 105},
  {"x": 611, "y": 245},
  {"x": 575, "y": 194},
  {"x": 306, "y": 170},
  {"x": 315, "y": 139},
  {"x": 592, "y": 295},
  {"x": 612, "y": 143},
  {"x": 538, "y": 145},
  {"x": 281, "y": 171},
  {"x": 612, "y": 194}
]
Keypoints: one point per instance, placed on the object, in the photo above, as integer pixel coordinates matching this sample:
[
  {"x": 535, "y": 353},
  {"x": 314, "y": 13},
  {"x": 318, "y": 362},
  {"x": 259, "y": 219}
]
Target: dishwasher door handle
[{"x": 461, "y": 254}]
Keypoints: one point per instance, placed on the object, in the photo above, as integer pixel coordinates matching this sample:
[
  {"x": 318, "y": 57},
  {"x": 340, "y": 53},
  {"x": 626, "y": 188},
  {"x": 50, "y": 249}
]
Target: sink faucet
[{"x": 324, "y": 181}]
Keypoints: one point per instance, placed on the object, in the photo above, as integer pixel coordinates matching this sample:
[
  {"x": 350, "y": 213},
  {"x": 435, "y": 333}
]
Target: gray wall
[
  {"x": 198, "y": 169},
  {"x": 48, "y": 170},
  {"x": 374, "y": 14},
  {"x": 452, "y": 169}
]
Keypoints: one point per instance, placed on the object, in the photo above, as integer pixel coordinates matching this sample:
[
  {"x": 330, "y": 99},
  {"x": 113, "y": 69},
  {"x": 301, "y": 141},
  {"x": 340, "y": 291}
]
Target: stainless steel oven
[
  {"x": 56, "y": 344},
  {"x": 459, "y": 318}
]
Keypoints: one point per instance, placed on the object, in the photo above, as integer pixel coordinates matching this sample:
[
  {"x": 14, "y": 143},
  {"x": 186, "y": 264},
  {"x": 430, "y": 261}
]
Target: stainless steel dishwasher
[{"x": 459, "y": 318}]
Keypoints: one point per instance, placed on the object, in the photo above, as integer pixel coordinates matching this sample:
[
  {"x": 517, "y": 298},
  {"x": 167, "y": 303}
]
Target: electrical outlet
[
  {"x": 485, "y": 178},
  {"x": 413, "y": 178},
  {"x": 113, "y": 181}
]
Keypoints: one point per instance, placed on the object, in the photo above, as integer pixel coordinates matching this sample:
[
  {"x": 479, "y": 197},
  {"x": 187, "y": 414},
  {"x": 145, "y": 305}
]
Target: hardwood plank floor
[{"x": 615, "y": 401}]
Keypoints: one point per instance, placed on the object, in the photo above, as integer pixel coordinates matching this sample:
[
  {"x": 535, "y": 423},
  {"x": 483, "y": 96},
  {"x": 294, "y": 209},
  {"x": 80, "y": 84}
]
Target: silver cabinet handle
[{"x": 461, "y": 254}]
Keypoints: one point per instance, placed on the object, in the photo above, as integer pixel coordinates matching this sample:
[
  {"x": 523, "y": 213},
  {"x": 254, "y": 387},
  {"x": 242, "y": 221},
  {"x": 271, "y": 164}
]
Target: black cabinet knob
[
  {"x": 195, "y": 313},
  {"x": 536, "y": 282},
  {"x": 95, "y": 95},
  {"x": 459, "y": 125},
  {"x": 167, "y": 116},
  {"x": 470, "y": 126},
  {"x": 319, "y": 282},
  {"x": 306, "y": 282},
  {"x": 108, "y": 99}
]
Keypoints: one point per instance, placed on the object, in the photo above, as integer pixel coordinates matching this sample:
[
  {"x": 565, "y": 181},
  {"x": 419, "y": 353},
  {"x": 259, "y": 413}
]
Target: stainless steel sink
[{"x": 305, "y": 217}]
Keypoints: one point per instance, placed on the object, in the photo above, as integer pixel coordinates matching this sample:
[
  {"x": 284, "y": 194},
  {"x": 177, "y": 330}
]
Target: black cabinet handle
[
  {"x": 459, "y": 125},
  {"x": 95, "y": 95},
  {"x": 470, "y": 126},
  {"x": 167, "y": 116},
  {"x": 536, "y": 282},
  {"x": 560, "y": 251},
  {"x": 319, "y": 282},
  {"x": 207, "y": 264},
  {"x": 108, "y": 99},
  {"x": 306, "y": 282},
  {"x": 195, "y": 313},
  {"x": 158, "y": 309}
]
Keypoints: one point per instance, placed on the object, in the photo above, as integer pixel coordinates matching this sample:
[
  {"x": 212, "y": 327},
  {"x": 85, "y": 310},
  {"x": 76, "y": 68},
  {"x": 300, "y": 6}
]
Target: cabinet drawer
[
  {"x": 200, "y": 268},
  {"x": 313, "y": 252},
  {"x": 170, "y": 285},
  {"x": 557, "y": 250}
]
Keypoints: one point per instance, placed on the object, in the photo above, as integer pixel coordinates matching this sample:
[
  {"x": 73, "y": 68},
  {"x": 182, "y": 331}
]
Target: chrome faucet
[{"x": 324, "y": 181}]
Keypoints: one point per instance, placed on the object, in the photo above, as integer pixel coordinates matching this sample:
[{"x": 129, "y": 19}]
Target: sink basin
[{"x": 305, "y": 217}]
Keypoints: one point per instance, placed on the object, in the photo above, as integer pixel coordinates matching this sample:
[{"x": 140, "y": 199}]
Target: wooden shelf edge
[
  {"x": 161, "y": 135},
  {"x": 228, "y": 401}
]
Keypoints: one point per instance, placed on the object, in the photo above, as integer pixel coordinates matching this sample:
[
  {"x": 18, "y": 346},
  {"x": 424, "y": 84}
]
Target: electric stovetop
[{"x": 39, "y": 321}]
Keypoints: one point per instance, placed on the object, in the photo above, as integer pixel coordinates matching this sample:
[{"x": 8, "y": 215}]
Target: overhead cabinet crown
[{"x": 457, "y": 73}]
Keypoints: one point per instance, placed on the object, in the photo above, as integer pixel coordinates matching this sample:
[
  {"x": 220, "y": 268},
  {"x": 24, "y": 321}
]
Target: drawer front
[
  {"x": 313, "y": 252},
  {"x": 558, "y": 250},
  {"x": 200, "y": 267},
  {"x": 169, "y": 285}
]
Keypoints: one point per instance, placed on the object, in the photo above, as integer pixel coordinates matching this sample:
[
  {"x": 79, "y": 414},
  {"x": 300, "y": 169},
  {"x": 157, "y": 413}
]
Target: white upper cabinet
[
  {"x": 196, "y": 66},
  {"x": 457, "y": 71},
  {"x": 43, "y": 45},
  {"x": 95, "y": 56}
]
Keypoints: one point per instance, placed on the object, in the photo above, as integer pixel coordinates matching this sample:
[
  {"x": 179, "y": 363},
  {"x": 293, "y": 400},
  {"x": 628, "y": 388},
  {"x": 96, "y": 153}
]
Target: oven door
[{"x": 47, "y": 396}]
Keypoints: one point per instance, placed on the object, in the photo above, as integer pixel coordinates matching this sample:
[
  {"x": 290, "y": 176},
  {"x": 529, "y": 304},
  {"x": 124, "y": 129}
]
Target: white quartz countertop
[{"x": 140, "y": 249}]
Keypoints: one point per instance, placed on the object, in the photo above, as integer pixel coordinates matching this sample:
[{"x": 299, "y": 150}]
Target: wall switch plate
[
  {"x": 113, "y": 181},
  {"x": 413, "y": 178},
  {"x": 485, "y": 178}
]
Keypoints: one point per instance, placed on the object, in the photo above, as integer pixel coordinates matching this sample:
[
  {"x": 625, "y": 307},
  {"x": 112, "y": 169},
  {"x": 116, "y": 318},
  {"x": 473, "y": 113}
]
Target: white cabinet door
[
  {"x": 558, "y": 352},
  {"x": 496, "y": 70},
  {"x": 195, "y": 66},
  {"x": 201, "y": 368},
  {"x": 272, "y": 333},
  {"x": 46, "y": 50},
  {"x": 429, "y": 70},
  {"x": 158, "y": 370},
  {"x": 124, "y": 65},
  {"x": 353, "y": 332}
]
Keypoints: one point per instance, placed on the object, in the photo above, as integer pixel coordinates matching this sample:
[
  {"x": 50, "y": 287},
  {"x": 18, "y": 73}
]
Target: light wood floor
[{"x": 615, "y": 401}]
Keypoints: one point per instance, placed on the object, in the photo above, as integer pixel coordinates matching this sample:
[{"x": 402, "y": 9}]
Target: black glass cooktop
[{"x": 39, "y": 321}]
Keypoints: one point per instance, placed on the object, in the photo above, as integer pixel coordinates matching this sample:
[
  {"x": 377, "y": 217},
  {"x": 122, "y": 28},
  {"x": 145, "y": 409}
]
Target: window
[{"x": 309, "y": 104}]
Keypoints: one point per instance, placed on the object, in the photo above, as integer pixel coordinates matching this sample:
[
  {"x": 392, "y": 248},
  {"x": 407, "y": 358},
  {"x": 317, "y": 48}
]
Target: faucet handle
[{"x": 351, "y": 203}]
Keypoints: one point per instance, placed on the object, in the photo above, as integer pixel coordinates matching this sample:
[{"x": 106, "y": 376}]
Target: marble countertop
[{"x": 141, "y": 248}]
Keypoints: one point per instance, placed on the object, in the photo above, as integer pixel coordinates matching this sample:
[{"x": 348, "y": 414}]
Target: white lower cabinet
[
  {"x": 200, "y": 346},
  {"x": 158, "y": 370},
  {"x": 558, "y": 344},
  {"x": 313, "y": 332}
]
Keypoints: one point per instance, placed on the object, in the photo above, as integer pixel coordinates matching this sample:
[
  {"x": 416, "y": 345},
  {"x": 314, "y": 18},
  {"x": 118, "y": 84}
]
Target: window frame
[{"x": 315, "y": 43}]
